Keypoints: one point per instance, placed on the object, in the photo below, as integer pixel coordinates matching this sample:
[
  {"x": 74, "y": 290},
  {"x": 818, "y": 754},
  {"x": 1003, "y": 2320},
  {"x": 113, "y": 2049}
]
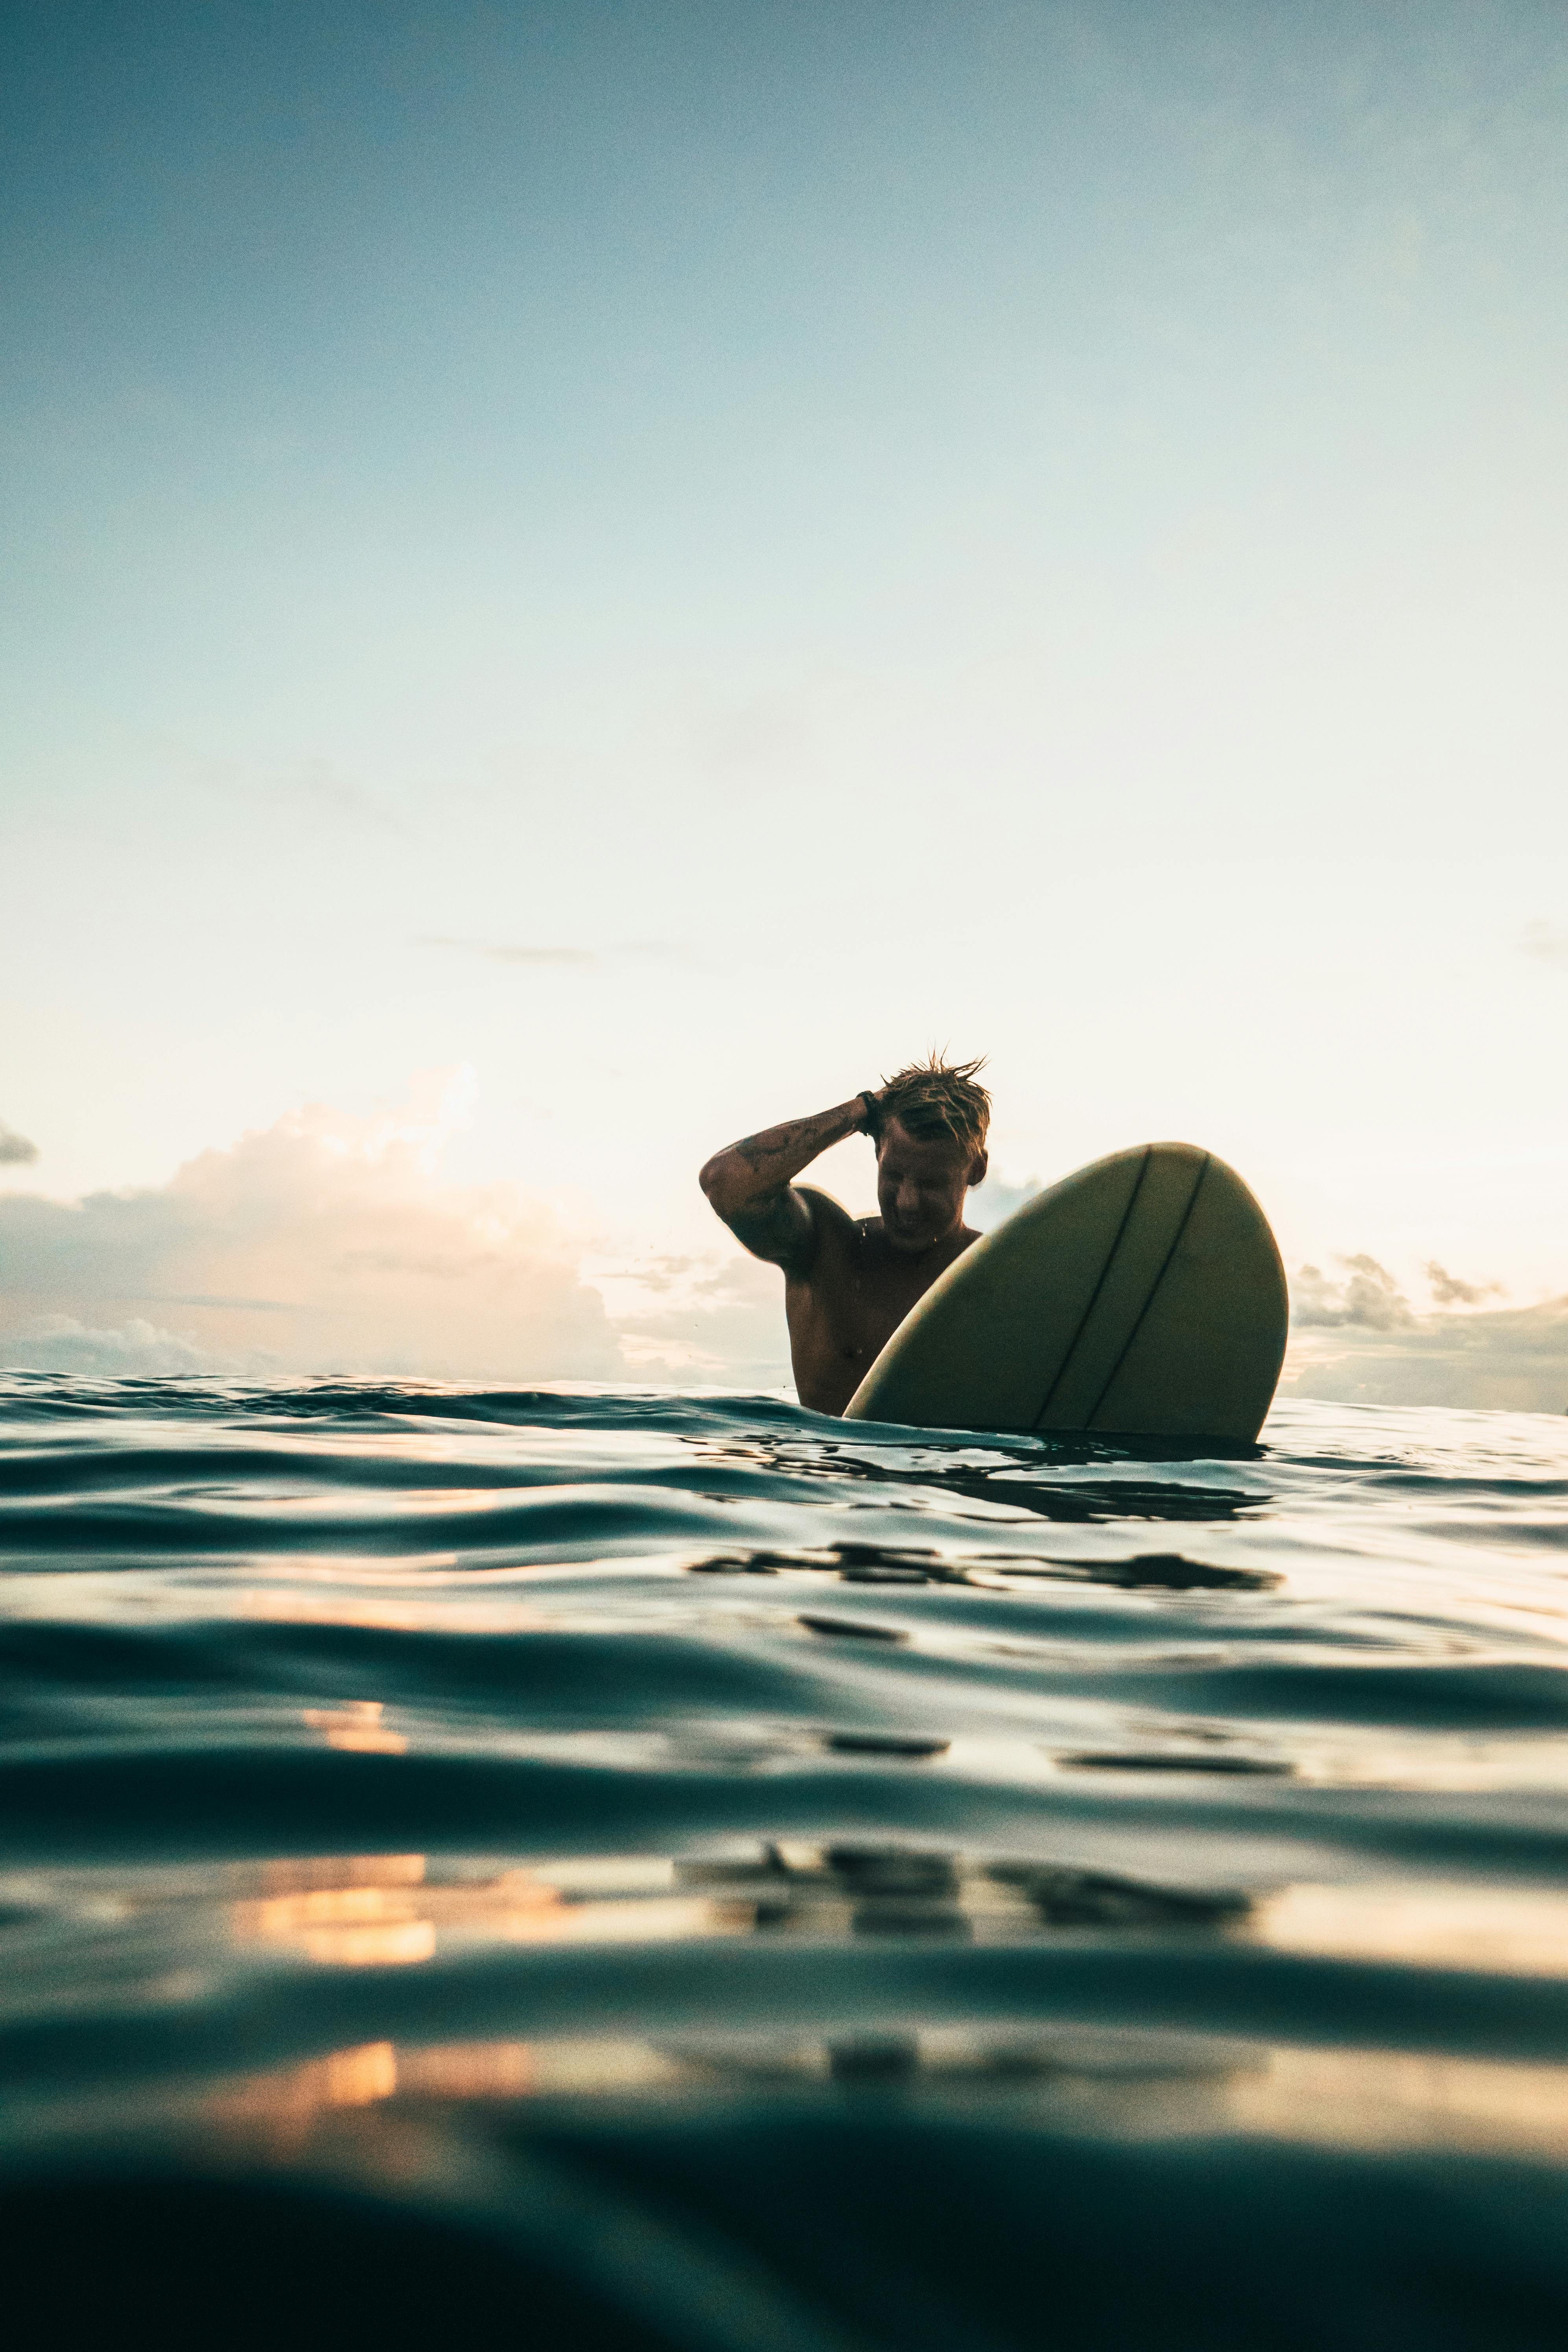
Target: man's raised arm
[{"x": 749, "y": 1184}]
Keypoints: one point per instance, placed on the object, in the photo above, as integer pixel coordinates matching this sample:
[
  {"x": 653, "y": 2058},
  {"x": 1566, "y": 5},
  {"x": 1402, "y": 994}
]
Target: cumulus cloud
[
  {"x": 324, "y": 1243},
  {"x": 16, "y": 1152},
  {"x": 136, "y": 1348},
  {"x": 1359, "y": 1341},
  {"x": 702, "y": 1319},
  {"x": 1369, "y": 1300},
  {"x": 1513, "y": 1360},
  {"x": 1449, "y": 1291}
]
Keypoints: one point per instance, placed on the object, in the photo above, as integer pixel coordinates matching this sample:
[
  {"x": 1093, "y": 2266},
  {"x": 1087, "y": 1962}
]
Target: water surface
[{"x": 663, "y": 1870}]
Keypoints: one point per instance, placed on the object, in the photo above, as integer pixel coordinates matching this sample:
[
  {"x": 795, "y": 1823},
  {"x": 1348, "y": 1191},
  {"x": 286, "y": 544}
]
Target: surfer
[{"x": 850, "y": 1281}]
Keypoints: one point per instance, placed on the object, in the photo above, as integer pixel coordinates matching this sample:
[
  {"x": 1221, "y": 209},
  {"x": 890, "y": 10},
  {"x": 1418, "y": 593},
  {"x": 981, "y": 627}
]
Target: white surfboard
[{"x": 1142, "y": 1296}]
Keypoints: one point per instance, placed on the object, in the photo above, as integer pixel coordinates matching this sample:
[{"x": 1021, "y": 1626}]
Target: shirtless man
[{"x": 849, "y": 1281}]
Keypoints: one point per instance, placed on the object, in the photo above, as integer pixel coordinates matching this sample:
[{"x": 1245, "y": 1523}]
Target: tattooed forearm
[
  {"x": 777, "y": 1145},
  {"x": 746, "y": 1180}
]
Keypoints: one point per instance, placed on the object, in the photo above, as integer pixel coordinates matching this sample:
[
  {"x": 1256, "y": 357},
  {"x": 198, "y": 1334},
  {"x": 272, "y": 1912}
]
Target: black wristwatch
[{"x": 873, "y": 1111}]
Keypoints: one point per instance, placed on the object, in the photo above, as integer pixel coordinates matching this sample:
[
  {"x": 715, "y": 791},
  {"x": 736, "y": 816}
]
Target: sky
[{"x": 581, "y": 579}]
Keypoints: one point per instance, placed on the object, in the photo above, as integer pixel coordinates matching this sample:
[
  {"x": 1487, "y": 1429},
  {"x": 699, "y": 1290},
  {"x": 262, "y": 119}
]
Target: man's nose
[{"x": 908, "y": 1198}]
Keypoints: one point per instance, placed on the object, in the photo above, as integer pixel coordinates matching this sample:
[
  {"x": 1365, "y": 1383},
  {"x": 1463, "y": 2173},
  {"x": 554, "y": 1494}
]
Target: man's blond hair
[{"x": 933, "y": 1100}]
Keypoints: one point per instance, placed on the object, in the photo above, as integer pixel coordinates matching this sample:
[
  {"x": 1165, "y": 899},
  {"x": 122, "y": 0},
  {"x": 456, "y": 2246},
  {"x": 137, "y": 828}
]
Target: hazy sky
[{"x": 671, "y": 556}]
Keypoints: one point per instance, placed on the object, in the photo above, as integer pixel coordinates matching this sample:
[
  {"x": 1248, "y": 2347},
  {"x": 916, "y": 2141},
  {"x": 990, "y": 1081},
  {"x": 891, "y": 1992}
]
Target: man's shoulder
[
  {"x": 829, "y": 1216},
  {"x": 838, "y": 1235}
]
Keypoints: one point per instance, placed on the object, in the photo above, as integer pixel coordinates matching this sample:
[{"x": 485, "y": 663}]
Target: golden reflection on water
[
  {"x": 357, "y": 1724},
  {"x": 1510, "y": 1930},
  {"x": 1128, "y": 2083},
  {"x": 1395, "y": 2098},
  {"x": 352, "y": 1927},
  {"x": 367, "y": 1594},
  {"x": 381, "y": 1910},
  {"x": 300, "y": 1873},
  {"x": 371, "y": 1910}
]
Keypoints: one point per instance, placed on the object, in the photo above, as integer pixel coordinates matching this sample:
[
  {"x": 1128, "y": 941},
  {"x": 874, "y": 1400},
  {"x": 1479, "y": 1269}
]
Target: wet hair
[{"x": 935, "y": 1100}]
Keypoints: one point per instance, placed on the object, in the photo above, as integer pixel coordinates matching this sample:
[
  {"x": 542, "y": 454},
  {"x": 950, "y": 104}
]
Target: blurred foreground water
[{"x": 650, "y": 1871}]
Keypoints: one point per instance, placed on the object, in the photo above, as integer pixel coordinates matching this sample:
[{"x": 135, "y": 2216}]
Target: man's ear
[{"x": 977, "y": 1167}]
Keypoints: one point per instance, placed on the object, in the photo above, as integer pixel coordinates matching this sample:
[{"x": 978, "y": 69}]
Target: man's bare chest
[{"x": 854, "y": 1305}]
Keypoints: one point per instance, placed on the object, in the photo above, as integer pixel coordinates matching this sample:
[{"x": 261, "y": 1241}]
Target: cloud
[
  {"x": 1512, "y": 1360},
  {"x": 703, "y": 1319},
  {"x": 1449, "y": 1291},
  {"x": 16, "y": 1152},
  {"x": 1371, "y": 1300},
  {"x": 61, "y": 1343},
  {"x": 1546, "y": 943},
  {"x": 324, "y": 1243},
  {"x": 1360, "y": 1341},
  {"x": 328, "y": 1243}
]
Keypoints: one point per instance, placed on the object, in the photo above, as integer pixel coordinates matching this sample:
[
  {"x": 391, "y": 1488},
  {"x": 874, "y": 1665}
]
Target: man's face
[{"x": 921, "y": 1187}]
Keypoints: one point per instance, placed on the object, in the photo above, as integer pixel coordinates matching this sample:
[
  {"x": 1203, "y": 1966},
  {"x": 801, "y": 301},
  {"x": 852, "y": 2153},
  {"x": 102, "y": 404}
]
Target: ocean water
[{"x": 672, "y": 1871}]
